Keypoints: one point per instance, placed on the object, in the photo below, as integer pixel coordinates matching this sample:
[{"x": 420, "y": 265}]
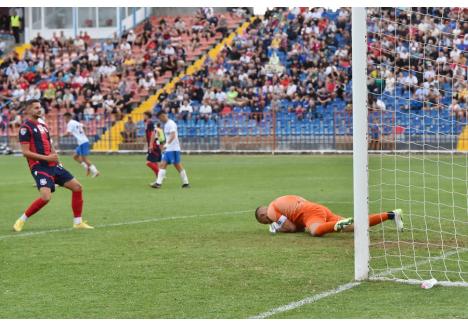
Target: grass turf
[{"x": 184, "y": 256}]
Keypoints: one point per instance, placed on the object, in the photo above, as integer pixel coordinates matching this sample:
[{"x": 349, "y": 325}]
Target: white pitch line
[
  {"x": 307, "y": 300},
  {"x": 169, "y": 218}
]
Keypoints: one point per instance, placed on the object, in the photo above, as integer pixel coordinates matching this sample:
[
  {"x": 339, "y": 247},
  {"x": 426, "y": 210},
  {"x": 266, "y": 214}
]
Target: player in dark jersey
[
  {"x": 153, "y": 156},
  {"x": 45, "y": 167}
]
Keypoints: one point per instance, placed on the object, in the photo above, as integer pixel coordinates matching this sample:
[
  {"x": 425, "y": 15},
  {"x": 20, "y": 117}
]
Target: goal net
[{"x": 417, "y": 102}]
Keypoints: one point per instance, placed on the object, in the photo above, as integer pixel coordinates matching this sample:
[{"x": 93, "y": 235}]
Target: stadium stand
[
  {"x": 293, "y": 63},
  {"x": 423, "y": 74},
  {"x": 287, "y": 75},
  {"x": 100, "y": 81},
  {"x": 312, "y": 94}
]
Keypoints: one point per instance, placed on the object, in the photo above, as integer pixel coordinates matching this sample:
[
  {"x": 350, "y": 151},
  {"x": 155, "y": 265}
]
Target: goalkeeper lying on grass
[{"x": 295, "y": 214}]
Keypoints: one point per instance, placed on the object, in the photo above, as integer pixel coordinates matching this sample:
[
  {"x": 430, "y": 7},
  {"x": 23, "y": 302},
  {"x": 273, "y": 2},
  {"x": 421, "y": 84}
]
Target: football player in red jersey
[{"x": 45, "y": 167}]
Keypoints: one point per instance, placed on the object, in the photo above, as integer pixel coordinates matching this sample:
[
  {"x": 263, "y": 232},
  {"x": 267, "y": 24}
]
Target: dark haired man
[{"x": 45, "y": 167}]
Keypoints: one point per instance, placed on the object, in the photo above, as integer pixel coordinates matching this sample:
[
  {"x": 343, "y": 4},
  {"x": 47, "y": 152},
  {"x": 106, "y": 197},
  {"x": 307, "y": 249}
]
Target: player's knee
[
  {"x": 46, "y": 196},
  {"x": 74, "y": 186}
]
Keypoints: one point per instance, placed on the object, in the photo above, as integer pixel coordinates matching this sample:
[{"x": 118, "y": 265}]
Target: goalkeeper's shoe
[
  {"x": 18, "y": 226},
  {"x": 83, "y": 225},
  {"x": 398, "y": 219},
  {"x": 341, "y": 224}
]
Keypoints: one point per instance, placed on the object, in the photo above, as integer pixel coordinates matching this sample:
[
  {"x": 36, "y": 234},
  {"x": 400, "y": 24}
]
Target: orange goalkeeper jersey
[{"x": 300, "y": 211}]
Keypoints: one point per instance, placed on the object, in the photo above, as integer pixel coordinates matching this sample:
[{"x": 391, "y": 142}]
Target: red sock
[
  {"x": 377, "y": 218},
  {"x": 153, "y": 166},
  {"x": 324, "y": 228},
  {"x": 35, "y": 207},
  {"x": 77, "y": 203}
]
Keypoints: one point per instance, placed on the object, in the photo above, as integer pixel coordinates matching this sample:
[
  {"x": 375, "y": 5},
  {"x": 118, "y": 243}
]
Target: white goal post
[
  {"x": 360, "y": 159},
  {"x": 407, "y": 154}
]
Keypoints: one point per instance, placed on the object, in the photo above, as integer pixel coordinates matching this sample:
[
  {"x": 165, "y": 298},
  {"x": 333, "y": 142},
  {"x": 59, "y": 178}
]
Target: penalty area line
[
  {"x": 308, "y": 300},
  {"x": 151, "y": 220}
]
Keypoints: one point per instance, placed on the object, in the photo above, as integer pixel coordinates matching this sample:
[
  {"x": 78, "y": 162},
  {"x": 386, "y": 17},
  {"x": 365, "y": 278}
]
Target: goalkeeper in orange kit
[{"x": 295, "y": 214}]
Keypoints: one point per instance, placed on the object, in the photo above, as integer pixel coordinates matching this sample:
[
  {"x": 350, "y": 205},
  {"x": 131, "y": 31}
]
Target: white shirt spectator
[
  {"x": 186, "y": 108},
  {"x": 245, "y": 58},
  {"x": 210, "y": 95},
  {"x": 18, "y": 92},
  {"x": 21, "y": 66},
  {"x": 343, "y": 13},
  {"x": 330, "y": 69},
  {"x": 108, "y": 104},
  {"x": 342, "y": 53},
  {"x": 93, "y": 57},
  {"x": 147, "y": 83},
  {"x": 106, "y": 70},
  {"x": 410, "y": 80},
  {"x": 79, "y": 43},
  {"x": 429, "y": 73},
  {"x": 318, "y": 13},
  {"x": 209, "y": 12},
  {"x": 180, "y": 26},
  {"x": 220, "y": 97},
  {"x": 455, "y": 54},
  {"x": 12, "y": 72},
  {"x": 125, "y": 46},
  {"x": 69, "y": 97},
  {"x": 390, "y": 83},
  {"x": 291, "y": 90},
  {"x": 442, "y": 60},
  {"x": 169, "y": 51},
  {"x": 380, "y": 105},
  {"x": 79, "y": 80},
  {"x": 131, "y": 37},
  {"x": 243, "y": 76},
  {"x": 33, "y": 94},
  {"x": 96, "y": 99},
  {"x": 206, "y": 109}
]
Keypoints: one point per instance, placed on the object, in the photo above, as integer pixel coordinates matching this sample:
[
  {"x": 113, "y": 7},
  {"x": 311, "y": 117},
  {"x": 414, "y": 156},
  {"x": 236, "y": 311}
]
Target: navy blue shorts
[
  {"x": 154, "y": 156},
  {"x": 48, "y": 176}
]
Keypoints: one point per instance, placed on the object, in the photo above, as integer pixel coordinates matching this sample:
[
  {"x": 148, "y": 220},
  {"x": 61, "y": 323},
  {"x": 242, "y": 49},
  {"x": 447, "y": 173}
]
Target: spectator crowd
[
  {"x": 291, "y": 61},
  {"x": 105, "y": 80},
  {"x": 417, "y": 58}
]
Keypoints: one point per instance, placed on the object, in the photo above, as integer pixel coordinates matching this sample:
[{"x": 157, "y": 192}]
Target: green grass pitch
[{"x": 196, "y": 253}]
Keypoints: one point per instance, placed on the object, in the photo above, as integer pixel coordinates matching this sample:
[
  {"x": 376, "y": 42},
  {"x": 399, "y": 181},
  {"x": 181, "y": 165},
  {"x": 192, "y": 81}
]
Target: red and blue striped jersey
[
  {"x": 36, "y": 135},
  {"x": 149, "y": 131}
]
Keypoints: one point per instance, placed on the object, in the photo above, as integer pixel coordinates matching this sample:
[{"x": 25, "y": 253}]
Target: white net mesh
[{"x": 418, "y": 94}]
